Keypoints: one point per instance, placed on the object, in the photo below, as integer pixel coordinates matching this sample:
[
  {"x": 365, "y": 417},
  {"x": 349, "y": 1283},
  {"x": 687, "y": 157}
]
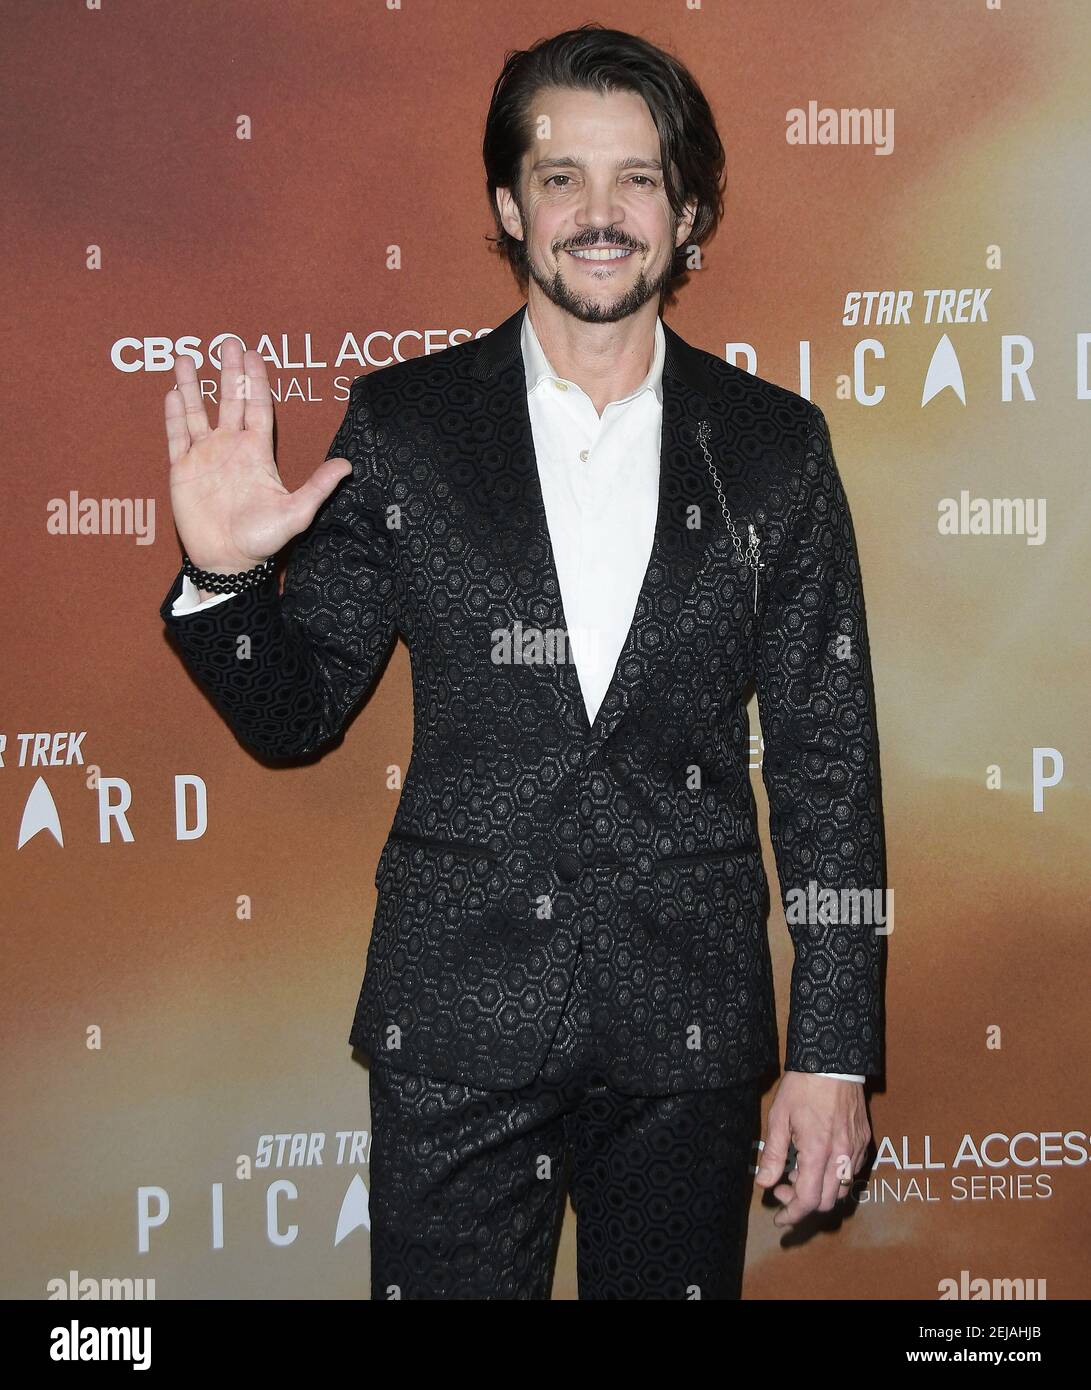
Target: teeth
[{"x": 599, "y": 255}]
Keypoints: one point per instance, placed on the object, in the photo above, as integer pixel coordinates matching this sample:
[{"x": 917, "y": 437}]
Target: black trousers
[{"x": 468, "y": 1186}]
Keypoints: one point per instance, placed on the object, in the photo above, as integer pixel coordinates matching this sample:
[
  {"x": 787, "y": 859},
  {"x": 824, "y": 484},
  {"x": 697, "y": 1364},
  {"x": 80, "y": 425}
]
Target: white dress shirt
[
  {"x": 599, "y": 476},
  {"x": 600, "y": 484}
]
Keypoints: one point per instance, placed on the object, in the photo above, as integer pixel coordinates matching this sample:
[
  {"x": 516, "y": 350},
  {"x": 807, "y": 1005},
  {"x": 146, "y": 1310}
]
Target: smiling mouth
[{"x": 601, "y": 254}]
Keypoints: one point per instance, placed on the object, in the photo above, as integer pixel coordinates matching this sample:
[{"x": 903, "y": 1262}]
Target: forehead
[{"x": 596, "y": 126}]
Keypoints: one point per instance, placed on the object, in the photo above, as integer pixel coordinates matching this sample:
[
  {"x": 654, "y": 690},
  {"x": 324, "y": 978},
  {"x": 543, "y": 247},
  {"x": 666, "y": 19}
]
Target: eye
[
  {"x": 646, "y": 179},
  {"x": 555, "y": 176}
]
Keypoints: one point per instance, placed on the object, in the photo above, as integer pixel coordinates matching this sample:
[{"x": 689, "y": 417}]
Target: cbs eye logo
[{"x": 160, "y": 354}]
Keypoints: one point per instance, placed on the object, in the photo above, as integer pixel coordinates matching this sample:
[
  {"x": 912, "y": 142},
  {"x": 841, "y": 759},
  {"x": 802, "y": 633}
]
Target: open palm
[{"x": 230, "y": 507}]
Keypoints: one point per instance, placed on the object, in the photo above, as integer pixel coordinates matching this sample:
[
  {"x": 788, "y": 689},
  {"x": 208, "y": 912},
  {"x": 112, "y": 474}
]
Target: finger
[
  {"x": 786, "y": 1191},
  {"x": 859, "y": 1160},
  {"x": 309, "y": 496},
  {"x": 196, "y": 420},
  {"x": 174, "y": 413},
  {"x": 258, "y": 399},
  {"x": 774, "y": 1148},
  {"x": 791, "y": 1212},
  {"x": 840, "y": 1166},
  {"x": 807, "y": 1187},
  {"x": 232, "y": 385}
]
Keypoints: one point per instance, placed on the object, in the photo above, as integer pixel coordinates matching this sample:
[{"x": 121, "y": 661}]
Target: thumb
[
  {"x": 309, "y": 496},
  {"x": 774, "y": 1154}
]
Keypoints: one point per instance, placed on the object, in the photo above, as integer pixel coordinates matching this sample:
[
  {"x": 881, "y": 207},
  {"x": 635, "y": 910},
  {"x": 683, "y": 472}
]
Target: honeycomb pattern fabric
[
  {"x": 523, "y": 833},
  {"x": 468, "y": 1185}
]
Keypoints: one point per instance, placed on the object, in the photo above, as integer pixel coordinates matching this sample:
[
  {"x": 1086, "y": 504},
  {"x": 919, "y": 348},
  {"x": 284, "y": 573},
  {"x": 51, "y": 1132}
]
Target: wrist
[{"x": 222, "y": 580}]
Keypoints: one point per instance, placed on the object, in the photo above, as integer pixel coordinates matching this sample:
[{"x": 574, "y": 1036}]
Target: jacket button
[{"x": 568, "y": 868}]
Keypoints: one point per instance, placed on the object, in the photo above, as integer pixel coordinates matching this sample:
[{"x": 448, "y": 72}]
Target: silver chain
[{"x": 750, "y": 556}]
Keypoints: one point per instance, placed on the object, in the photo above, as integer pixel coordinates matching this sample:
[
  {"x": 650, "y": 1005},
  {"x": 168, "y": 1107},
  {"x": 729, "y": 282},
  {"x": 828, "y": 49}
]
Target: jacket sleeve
[
  {"x": 821, "y": 772},
  {"x": 287, "y": 670}
]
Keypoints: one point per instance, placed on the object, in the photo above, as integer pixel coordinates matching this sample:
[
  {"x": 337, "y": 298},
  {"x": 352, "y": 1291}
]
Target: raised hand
[{"x": 230, "y": 507}]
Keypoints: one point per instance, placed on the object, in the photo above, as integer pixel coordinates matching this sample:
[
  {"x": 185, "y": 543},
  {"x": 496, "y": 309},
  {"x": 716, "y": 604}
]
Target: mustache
[{"x": 587, "y": 243}]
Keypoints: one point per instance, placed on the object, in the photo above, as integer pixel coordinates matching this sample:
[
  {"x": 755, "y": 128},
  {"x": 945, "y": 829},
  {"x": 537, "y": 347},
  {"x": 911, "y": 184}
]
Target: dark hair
[{"x": 607, "y": 60}]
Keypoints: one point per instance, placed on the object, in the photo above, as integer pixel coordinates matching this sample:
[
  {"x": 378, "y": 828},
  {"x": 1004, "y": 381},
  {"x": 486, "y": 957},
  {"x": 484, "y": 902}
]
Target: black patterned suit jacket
[{"x": 523, "y": 831}]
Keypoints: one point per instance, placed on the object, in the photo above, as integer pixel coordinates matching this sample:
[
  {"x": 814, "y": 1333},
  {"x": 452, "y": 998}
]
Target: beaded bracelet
[{"x": 227, "y": 583}]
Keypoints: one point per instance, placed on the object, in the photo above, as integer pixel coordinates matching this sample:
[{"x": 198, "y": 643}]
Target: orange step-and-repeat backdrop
[{"x": 186, "y": 928}]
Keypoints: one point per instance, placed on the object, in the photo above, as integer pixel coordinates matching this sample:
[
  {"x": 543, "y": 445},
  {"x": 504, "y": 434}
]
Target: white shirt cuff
[{"x": 187, "y": 602}]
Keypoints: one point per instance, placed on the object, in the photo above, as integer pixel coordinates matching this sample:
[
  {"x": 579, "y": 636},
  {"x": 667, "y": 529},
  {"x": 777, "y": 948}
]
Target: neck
[{"x": 605, "y": 360}]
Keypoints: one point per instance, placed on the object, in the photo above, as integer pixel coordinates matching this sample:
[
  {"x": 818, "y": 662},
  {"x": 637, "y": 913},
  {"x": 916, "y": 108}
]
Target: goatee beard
[{"x": 556, "y": 289}]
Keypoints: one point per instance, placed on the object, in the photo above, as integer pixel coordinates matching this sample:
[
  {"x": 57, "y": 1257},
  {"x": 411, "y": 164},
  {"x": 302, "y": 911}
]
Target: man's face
[{"x": 591, "y": 182}]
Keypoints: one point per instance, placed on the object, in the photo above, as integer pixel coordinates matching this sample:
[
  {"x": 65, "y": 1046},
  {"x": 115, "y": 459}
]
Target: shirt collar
[{"x": 537, "y": 367}]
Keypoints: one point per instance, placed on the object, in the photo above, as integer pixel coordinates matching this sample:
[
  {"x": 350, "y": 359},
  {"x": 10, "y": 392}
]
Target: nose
[{"x": 600, "y": 209}]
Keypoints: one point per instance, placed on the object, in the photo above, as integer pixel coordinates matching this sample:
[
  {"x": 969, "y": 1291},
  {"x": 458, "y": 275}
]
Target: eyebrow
[{"x": 633, "y": 161}]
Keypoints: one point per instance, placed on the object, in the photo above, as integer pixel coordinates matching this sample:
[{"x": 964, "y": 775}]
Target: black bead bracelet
[{"x": 227, "y": 583}]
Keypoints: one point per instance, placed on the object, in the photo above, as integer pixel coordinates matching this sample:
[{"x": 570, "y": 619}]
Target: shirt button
[
  {"x": 583, "y": 455},
  {"x": 561, "y": 385}
]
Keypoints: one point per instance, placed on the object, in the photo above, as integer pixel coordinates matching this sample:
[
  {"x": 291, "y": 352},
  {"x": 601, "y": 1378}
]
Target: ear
[
  {"x": 510, "y": 217},
  {"x": 685, "y": 225}
]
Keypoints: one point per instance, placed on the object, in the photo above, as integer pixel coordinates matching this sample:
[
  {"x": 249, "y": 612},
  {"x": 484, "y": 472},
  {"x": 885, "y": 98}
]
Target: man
[{"x": 594, "y": 539}]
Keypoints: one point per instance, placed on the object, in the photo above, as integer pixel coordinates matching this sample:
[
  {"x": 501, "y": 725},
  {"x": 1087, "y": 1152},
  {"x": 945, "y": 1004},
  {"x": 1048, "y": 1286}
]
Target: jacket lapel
[
  {"x": 685, "y": 495},
  {"x": 516, "y": 515},
  {"x": 686, "y": 498}
]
